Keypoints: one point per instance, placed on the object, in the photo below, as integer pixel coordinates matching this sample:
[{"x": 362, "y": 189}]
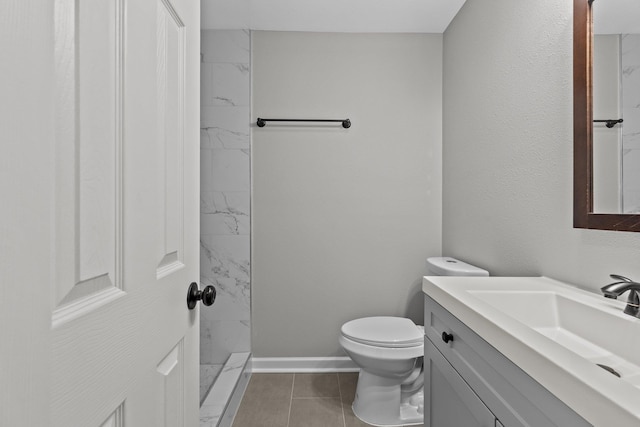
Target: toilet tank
[{"x": 447, "y": 266}]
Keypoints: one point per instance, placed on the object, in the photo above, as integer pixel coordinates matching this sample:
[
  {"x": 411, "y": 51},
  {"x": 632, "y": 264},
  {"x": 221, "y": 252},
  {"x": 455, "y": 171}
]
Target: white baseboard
[{"x": 303, "y": 364}]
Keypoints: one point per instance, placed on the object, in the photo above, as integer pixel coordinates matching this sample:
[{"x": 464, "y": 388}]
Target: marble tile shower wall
[
  {"x": 631, "y": 126},
  {"x": 225, "y": 192}
]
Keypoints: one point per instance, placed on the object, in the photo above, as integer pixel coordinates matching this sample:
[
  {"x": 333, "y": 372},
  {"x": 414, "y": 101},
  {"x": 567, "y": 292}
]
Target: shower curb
[{"x": 221, "y": 404}]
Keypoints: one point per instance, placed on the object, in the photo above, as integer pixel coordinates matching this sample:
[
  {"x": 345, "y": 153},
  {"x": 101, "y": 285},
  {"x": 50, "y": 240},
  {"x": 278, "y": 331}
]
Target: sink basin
[
  {"x": 583, "y": 327},
  {"x": 558, "y": 334}
]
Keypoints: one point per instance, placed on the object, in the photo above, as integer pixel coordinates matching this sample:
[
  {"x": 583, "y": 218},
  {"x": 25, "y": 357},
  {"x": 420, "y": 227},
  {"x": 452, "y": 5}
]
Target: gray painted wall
[
  {"x": 507, "y": 182},
  {"x": 342, "y": 220}
]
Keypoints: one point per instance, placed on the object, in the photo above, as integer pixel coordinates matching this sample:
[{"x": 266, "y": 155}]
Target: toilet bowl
[{"x": 389, "y": 352}]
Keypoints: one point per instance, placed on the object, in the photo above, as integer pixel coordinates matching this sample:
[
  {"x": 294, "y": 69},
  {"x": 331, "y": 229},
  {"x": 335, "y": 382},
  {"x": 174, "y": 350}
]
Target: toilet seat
[{"x": 384, "y": 331}]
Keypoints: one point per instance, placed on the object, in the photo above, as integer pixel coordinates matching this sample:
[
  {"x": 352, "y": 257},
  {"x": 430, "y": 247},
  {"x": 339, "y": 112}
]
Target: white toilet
[{"x": 389, "y": 352}]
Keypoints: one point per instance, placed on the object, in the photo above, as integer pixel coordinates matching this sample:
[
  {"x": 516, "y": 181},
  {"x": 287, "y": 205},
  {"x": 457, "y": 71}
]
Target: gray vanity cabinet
[
  {"x": 451, "y": 402},
  {"x": 469, "y": 383}
]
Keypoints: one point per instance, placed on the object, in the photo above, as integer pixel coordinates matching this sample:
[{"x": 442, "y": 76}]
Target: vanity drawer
[{"x": 512, "y": 395}]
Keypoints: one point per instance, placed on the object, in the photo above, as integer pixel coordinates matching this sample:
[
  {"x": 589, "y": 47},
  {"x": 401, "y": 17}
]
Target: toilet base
[{"x": 382, "y": 401}]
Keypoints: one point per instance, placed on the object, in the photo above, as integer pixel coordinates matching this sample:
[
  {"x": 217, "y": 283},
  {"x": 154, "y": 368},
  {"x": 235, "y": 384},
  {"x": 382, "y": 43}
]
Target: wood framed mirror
[{"x": 583, "y": 159}]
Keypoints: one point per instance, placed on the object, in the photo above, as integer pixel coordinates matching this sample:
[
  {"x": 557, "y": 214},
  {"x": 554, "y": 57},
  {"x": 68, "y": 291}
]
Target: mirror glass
[{"x": 616, "y": 106}]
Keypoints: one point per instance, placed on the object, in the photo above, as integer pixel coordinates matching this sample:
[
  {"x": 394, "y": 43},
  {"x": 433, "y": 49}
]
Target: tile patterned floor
[{"x": 299, "y": 400}]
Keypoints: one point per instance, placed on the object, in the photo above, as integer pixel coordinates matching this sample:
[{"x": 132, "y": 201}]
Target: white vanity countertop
[{"x": 598, "y": 396}]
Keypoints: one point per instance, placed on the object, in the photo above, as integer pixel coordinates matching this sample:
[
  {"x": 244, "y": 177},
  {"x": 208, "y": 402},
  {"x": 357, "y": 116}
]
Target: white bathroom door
[{"x": 124, "y": 344}]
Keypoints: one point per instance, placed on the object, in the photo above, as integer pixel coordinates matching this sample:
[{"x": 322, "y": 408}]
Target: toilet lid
[{"x": 384, "y": 331}]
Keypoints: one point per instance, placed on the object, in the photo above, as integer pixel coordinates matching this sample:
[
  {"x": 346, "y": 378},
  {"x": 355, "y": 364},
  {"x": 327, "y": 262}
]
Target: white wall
[
  {"x": 343, "y": 219},
  {"x": 508, "y": 149}
]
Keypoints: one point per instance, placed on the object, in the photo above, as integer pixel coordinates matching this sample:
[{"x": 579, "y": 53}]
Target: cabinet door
[{"x": 448, "y": 400}]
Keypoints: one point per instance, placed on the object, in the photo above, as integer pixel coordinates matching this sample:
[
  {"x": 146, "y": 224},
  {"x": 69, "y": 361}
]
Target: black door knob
[
  {"x": 207, "y": 295},
  {"x": 447, "y": 337}
]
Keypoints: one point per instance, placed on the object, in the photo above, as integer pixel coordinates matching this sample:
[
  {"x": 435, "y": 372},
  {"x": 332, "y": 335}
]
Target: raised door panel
[
  {"x": 171, "y": 133},
  {"x": 449, "y": 401},
  {"x": 116, "y": 419},
  {"x": 170, "y": 391},
  {"x": 89, "y": 73}
]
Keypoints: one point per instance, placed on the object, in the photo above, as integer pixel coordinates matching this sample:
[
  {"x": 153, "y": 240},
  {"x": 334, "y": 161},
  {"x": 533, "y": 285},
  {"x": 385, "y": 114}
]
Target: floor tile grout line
[
  {"x": 316, "y": 398},
  {"x": 344, "y": 418},
  {"x": 293, "y": 383}
]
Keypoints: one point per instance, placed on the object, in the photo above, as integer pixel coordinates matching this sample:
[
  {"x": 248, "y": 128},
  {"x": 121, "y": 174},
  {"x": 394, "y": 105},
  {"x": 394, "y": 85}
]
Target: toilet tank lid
[{"x": 447, "y": 266}]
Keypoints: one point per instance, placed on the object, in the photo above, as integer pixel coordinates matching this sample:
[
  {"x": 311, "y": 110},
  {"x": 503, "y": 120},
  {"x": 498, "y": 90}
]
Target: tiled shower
[
  {"x": 616, "y": 83},
  {"x": 224, "y": 215},
  {"x": 630, "y": 58}
]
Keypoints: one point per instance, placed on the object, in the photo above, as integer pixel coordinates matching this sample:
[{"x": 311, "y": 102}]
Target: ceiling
[
  {"x": 616, "y": 17},
  {"x": 351, "y": 16}
]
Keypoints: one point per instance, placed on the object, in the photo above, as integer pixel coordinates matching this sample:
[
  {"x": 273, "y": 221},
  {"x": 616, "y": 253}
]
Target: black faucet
[{"x": 623, "y": 284}]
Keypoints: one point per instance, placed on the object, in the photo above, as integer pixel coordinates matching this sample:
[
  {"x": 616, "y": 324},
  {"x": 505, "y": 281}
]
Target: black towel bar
[
  {"x": 346, "y": 123},
  {"x": 609, "y": 122}
]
